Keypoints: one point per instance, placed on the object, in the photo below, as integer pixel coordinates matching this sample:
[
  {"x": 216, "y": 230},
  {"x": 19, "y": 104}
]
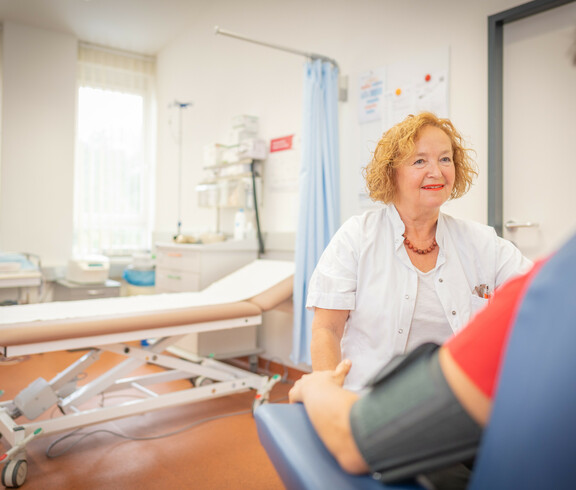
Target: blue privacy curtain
[{"x": 319, "y": 185}]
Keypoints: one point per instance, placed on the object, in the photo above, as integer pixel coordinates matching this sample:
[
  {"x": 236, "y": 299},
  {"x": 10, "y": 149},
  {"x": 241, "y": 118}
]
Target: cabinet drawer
[
  {"x": 173, "y": 281},
  {"x": 180, "y": 260}
]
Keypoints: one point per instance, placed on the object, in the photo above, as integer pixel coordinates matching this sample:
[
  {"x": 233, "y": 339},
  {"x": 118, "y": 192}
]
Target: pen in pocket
[{"x": 483, "y": 291}]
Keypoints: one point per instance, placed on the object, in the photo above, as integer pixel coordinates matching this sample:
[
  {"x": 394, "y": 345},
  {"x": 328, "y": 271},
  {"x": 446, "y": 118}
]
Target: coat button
[
  {"x": 453, "y": 312},
  {"x": 440, "y": 280}
]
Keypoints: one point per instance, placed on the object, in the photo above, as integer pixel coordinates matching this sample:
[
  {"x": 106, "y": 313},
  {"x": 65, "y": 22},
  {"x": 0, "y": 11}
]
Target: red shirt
[{"x": 479, "y": 348}]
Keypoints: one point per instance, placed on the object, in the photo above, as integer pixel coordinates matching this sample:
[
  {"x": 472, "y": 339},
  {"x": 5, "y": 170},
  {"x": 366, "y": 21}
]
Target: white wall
[
  {"x": 224, "y": 77},
  {"x": 37, "y": 158}
]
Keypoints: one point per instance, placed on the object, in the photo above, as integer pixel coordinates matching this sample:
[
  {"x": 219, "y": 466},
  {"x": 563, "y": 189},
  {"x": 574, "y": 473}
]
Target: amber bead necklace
[{"x": 420, "y": 250}]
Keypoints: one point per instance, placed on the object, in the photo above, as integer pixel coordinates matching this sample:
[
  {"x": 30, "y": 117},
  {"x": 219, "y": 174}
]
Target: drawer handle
[
  {"x": 93, "y": 292},
  {"x": 174, "y": 254},
  {"x": 170, "y": 276}
]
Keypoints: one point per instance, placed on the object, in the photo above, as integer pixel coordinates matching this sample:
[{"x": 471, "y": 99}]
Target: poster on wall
[
  {"x": 387, "y": 95},
  {"x": 371, "y": 91},
  {"x": 428, "y": 93}
]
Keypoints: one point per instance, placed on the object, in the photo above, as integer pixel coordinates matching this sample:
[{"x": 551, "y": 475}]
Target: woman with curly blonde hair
[
  {"x": 406, "y": 273},
  {"x": 398, "y": 143}
]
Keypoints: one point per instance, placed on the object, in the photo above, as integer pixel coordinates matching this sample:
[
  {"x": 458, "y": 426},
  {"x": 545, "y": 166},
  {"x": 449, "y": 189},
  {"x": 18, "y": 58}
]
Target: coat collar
[{"x": 399, "y": 228}]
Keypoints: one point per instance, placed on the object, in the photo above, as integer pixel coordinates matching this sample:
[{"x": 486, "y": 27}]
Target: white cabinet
[{"x": 193, "y": 267}]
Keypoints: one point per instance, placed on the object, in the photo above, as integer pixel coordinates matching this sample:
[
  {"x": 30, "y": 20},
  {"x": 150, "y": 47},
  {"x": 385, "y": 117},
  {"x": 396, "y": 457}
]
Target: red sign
[{"x": 281, "y": 144}]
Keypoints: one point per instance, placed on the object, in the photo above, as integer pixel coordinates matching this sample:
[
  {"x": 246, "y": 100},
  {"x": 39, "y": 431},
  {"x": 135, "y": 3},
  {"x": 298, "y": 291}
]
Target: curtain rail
[{"x": 313, "y": 56}]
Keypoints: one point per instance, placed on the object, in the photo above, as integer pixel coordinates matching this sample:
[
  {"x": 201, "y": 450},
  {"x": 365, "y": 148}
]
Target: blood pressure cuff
[{"x": 410, "y": 422}]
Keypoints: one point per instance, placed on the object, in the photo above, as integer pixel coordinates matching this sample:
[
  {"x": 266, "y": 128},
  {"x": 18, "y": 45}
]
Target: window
[{"x": 114, "y": 168}]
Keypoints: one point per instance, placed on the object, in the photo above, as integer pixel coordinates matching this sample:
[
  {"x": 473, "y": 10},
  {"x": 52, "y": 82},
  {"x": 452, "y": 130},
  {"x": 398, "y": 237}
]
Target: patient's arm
[
  {"x": 327, "y": 331},
  {"x": 328, "y": 406},
  {"x": 471, "y": 360},
  {"x": 476, "y": 353},
  {"x": 476, "y": 403}
]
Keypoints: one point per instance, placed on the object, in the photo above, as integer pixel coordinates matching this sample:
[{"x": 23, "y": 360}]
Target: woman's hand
[
  {"x": 318, "y": 379},
  {"x": 328, "y": 406}
]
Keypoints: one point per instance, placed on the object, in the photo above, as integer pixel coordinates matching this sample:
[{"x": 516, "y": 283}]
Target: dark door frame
[{"x": 496, "y": 25}]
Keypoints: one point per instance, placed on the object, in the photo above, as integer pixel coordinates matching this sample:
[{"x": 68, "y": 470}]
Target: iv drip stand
[{"x": 181, "y": 106}]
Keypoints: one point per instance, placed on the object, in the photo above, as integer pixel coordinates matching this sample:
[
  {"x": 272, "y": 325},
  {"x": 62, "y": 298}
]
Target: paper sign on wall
[
  {"x": 281, "y": 144},
  {"x": 283, "y": 164},
  {"x": 372, "y": 85}
]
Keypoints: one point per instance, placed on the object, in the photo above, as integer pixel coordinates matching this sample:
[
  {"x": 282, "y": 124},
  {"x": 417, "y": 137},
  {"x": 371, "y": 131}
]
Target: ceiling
[{"x": 141, "y": 26}]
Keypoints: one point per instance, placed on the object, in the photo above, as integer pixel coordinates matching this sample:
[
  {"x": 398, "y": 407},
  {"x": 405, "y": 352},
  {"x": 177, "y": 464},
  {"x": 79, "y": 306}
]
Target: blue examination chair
[{"x": 530, "y": 441}]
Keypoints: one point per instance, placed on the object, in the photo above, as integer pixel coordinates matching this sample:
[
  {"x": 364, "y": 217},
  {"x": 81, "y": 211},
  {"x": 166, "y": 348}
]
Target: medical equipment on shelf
[
  {"x": 20, "y": 272},
  {"x": 106, "y": 325},
  {"x": 92, "y": 269}
]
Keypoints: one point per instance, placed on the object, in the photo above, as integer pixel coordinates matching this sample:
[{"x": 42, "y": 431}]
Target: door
[{"x": 539, "y": 130}]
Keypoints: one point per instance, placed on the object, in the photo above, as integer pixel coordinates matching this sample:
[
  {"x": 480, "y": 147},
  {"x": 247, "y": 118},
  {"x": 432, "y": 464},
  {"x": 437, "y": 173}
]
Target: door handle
[{"x": 513, "y": 225}]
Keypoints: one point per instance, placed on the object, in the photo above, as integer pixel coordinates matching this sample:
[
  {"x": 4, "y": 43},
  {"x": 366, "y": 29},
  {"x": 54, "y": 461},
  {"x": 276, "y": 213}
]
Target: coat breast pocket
[{"x": 477, "y": 303}]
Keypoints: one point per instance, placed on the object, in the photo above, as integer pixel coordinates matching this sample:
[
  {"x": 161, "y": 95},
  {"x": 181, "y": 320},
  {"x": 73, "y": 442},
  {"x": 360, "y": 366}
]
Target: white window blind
[{"x": 115, "y": 152}]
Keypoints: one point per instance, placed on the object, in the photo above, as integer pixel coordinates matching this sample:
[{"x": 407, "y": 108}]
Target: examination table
[
  {"x": 530, "y": 440},
  {"x": 113, "y": 325}
]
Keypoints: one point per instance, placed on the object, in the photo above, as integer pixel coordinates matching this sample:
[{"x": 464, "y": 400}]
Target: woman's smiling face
[{"x": 426, "y": 177}]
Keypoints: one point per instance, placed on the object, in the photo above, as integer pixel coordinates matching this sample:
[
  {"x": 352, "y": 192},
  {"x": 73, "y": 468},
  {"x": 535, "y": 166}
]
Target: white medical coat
[{"x": 366, "y": 269}]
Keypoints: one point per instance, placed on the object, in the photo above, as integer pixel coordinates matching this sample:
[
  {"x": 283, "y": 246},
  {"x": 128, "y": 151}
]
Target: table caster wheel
[
  {"x": 202, "y": 381},
  {"x": 14, "y": 473}
]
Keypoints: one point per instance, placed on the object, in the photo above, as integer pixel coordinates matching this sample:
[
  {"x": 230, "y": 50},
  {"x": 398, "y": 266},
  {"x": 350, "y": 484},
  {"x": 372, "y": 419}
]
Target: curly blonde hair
[{"x": 398, "y": 143}]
